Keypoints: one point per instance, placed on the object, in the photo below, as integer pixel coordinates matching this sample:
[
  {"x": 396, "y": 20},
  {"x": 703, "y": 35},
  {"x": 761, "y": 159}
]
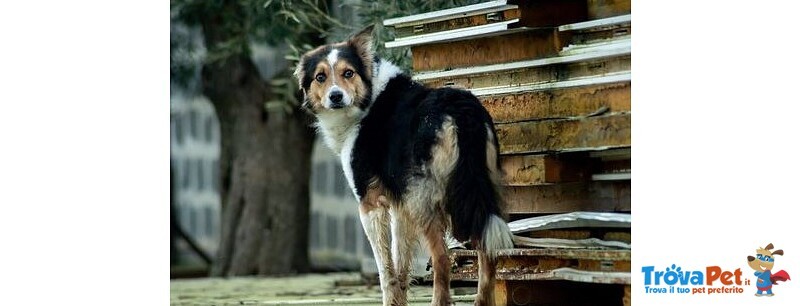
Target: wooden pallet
[
  {"x": 545, "y": 276},
  {"x": 555, "y": 77}
]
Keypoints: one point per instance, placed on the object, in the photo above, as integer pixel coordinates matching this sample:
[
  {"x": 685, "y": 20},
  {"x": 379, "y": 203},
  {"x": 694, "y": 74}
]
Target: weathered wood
[
  {"x": 598, "y": 24},
  {"x": 467, "y": 10},
  {"x": 522, "y": 241},
  {"x": 511, "y": 266},
  {"x": 607, "y": 8},
  {"x": 578, "y": 52},
  {"x": 618, "y": 236},
  {"x": 604, "y": 265},
  {"x": 523, "y": 170},
  {"x": 619, "y": 77},
  {"x": 598, "y": 36},
  {"x": 598, "y": 31},
  {"x": 470, "y": 33},
  {"x": 626, "y": 295},
  {"x": 562, "y": 234},
  {"x": 489, "y": 50},
  {"x": 540, "y": 74},
  {"x": 607, "y": 234},
  {"x": 531, "y": 170},
  {"x": 614, "y": 255},
  {"x": 561, "y": 103},
  {"x": 594, "y": 266},
  {"x": 607, "y": 131},
  {"x": 501, "y": 293},
  {"x": 456, "y": 23},
  {"x": 617, "y": 176},
  {"x": 621, "y": 154},
  {"x": 569, "y": 197},
  {"x": 567, "y": 168},
  {"x": 572, "y": 275}
]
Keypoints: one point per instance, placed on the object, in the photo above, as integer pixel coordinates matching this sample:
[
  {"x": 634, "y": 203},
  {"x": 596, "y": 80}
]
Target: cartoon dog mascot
[{"x": 762, "y": 264}]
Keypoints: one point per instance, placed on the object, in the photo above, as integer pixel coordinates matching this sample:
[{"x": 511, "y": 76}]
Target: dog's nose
[
  {"x": 750, "y": 258},
  {"x": 336, "y": 99}
]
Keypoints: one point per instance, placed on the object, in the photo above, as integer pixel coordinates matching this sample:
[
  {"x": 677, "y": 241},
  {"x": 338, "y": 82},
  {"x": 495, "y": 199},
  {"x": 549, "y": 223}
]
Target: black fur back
[{"x": 396, "y": 137}]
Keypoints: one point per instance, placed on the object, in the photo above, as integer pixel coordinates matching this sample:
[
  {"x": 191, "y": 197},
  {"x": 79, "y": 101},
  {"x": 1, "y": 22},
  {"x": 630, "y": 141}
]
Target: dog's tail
[{"x": 473, "y": 198}]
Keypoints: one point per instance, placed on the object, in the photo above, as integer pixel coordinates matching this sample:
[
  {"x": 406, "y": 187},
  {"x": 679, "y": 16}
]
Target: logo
[
  {"x": 714, "y": 279},
  {"x": 763, "y": 263}
]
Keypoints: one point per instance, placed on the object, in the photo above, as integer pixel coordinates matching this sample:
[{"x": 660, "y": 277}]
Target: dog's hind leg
[
  {"x": 404, "y": 238},
  {"x": 441, "y": 264},
  {"x": 375, "y": 219}
]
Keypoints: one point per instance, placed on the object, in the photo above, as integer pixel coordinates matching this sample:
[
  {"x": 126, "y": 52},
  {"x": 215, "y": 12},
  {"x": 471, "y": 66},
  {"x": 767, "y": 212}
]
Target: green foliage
[
  {"x": 185, "y": 54},
  {"x": 297, "y": 25}
]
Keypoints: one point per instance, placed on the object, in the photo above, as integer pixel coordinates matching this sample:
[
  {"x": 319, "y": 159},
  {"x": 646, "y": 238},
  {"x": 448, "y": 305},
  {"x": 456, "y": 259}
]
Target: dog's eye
[
  {"x": 348, "y": 73},
  {"x": 321, "y": 77}
]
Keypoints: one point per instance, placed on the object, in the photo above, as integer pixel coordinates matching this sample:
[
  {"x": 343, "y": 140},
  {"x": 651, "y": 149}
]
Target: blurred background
[{"x": 254, "y": 191}]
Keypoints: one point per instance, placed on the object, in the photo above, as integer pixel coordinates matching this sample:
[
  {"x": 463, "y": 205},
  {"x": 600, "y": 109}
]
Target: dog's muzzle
[{"x": 336, "y": 99}]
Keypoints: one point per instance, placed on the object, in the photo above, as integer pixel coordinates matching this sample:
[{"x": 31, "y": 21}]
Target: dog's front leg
[
  {"x": 404, "y": 237},
  {"x": 375, "y": 220}
]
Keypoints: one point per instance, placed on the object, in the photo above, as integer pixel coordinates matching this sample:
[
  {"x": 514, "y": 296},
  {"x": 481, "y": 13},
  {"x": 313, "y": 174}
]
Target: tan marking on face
[
  {"x": 317, "y": 91},
  {"x": 354, "y": 86},
  {"x": 299, "y": 71}
]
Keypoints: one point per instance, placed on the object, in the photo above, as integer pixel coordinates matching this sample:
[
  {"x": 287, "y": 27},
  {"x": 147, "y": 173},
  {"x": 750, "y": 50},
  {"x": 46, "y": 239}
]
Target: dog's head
[
  {"x": 338, "y": 77},
  {"x": 764, "y": 259}
]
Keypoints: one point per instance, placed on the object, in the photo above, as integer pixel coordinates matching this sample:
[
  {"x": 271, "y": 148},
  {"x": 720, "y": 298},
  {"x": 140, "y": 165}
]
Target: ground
[{"x": 312, "y": 289}]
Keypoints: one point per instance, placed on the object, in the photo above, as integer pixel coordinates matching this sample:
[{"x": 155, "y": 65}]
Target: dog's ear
[
  {"x": 769, "y": 247},
  {"x": 299, "y": 71},
  {"x": 300, "y": 95},
  {"x": 363, "y": 39},
  {"x": 778, "y": 252},
  {"x": 362, "y": 42}
]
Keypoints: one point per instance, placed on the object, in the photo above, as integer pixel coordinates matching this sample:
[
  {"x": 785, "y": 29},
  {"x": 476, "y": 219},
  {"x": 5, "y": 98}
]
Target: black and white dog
[{"x": 420, "y": 161}]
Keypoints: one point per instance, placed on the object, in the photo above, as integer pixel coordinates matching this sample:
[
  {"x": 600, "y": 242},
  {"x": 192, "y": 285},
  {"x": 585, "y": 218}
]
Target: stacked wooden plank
[{"x": 555, "y": 76}]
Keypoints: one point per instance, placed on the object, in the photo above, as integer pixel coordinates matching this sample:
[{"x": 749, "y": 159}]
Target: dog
[
  {"x": 762, "y": 264},
  {"x": 419, "y": 160}
]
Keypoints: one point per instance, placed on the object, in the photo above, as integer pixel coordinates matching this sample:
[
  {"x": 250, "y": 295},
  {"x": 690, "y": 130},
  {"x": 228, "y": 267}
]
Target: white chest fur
[
  {"x": 346, "y": 157},
  {"x": 340, "y": 130}
]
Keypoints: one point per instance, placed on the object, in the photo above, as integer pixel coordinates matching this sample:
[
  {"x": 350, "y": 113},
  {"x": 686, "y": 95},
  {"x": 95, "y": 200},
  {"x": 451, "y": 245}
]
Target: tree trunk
[{"x": 264, "y": 164}]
